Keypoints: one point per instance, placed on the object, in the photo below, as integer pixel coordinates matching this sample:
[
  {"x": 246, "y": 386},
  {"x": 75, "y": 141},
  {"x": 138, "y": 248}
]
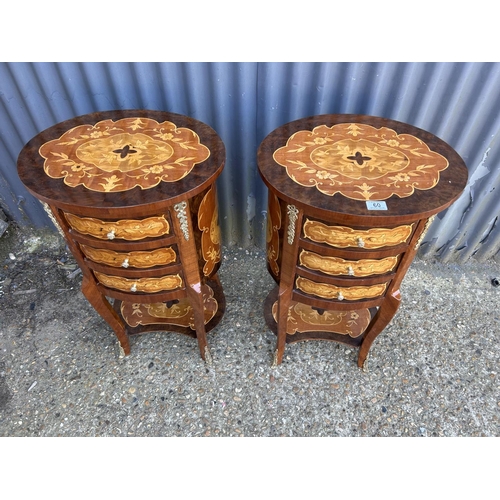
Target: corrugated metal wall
[{"x": 243, "y": 102}]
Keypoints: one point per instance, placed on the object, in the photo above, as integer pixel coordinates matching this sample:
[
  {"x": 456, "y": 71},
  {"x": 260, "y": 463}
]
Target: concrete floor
[{"x": 432, "y": 372}]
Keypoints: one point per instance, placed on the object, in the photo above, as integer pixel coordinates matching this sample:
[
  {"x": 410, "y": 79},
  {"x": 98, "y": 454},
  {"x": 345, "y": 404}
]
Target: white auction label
[{"x": 376, "y": 205}]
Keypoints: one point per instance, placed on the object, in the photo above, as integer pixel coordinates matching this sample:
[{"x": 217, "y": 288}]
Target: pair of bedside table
[{"x": 350, "y": 197}]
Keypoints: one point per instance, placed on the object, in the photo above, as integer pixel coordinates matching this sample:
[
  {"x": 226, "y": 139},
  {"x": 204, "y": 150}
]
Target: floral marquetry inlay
[
  {"x": 327, "y": 291},
  {"x": 113, "y": 156},
  {"x": 145, "y": 285},
  {"x": 360, "y": 162},
  {"x": 208, "y": 223},
  {"x": 337, "y": 266},
  {"x": 344, "y": 237},
  {"x": 303, "y": 318},
  {"x": 126, "y": 229},
  {"x": 179, "y": 312},
  {"x": 142, "y": 260}
]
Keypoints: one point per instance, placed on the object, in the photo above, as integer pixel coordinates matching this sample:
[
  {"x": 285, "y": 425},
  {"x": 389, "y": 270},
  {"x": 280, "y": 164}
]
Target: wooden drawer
[
  {"x": 130, "y": 230},
  {"x": 346, "y": 237},
  {"x": 139, "y": 259},
  {"x": 335, "y": 266},
  {"x": 145, "y": 285},
  {"x": 329, "y": 291}
]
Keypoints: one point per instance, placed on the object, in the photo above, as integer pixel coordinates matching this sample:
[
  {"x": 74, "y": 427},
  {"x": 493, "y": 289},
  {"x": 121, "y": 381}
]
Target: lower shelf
[
  {"x": 307, "y": 323},
  {"x": 176, "y": 316}
]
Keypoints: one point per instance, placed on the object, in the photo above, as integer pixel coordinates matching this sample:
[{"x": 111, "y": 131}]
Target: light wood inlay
[
  {"x": 208, "y": 223},
  {"x": 335, "y": 266},
  {"x": 180, "y": 313},
  {"x": 130, "y": 230},
  {"x": 146, "y": 285},
  {"x": 115, "y": 156},
  {"x": 360, "y": 161},
  {"x": 344, "y": 237},
  {"x": 303, "y": 318},
  {"x": 142, "y": 260},
  {"x": 327, "y": 291}
]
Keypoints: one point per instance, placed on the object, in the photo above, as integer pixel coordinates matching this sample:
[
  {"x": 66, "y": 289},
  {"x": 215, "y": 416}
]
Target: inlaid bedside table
[
  {"x": 350, "y": 199},
  {"x": 133, "y": 192}
]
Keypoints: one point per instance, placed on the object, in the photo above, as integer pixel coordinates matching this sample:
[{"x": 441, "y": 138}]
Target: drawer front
[
  {"x": 335, "y": 266},
  {"x": 141, "y": 260},
  {"x": 146, "y": 285},
  {"x": 272, "y": 233},
  {"x": 346, "y": 237},
  {"x": 327, "y": 291},
  {"x": 130, "y": 230}
]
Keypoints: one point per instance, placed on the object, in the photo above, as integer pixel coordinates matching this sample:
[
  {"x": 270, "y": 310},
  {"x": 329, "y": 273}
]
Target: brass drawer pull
[
  {"x": 133, "y": 288},
  {"x": 111, "y": 235},
  {"x": 125, "y": 263},
  {"x": 361, "y": 243}
]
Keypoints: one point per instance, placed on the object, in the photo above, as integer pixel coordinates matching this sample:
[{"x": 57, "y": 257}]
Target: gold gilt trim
[
  {"x": 146, "y": 285},
  {"x": 180, "y": 208},
  {"x": 335, "y": 266},
  {"x": 303, "y": 318},
  {"x": 180, "y": 313},
  {"x": 293, "y": 214},
  {"x": 430, "y": 220},
  {"x": 129, "y": 230},
  {"x": 52, "y": 218},
  {"x": 327, "y": 291},
  {"x": 142, "y": 260},
  {"x": 272, "y": 233},
  {"x": 343, "y": 237}
]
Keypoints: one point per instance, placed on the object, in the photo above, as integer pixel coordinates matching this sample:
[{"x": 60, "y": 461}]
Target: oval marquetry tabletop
[{"x": 124, "y": 158}]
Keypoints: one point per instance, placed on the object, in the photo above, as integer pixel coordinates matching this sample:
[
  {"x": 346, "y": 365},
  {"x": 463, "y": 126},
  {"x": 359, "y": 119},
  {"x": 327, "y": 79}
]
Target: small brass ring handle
[
  {"x": 111, "y": 235},
  {"x": 361, "y": 243},
  {"x": 125, "y": 263},
  {"x": 340, "y": 296},
  {"x": 133, "y": 288},
  {"x": 350, "y": 271}
]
